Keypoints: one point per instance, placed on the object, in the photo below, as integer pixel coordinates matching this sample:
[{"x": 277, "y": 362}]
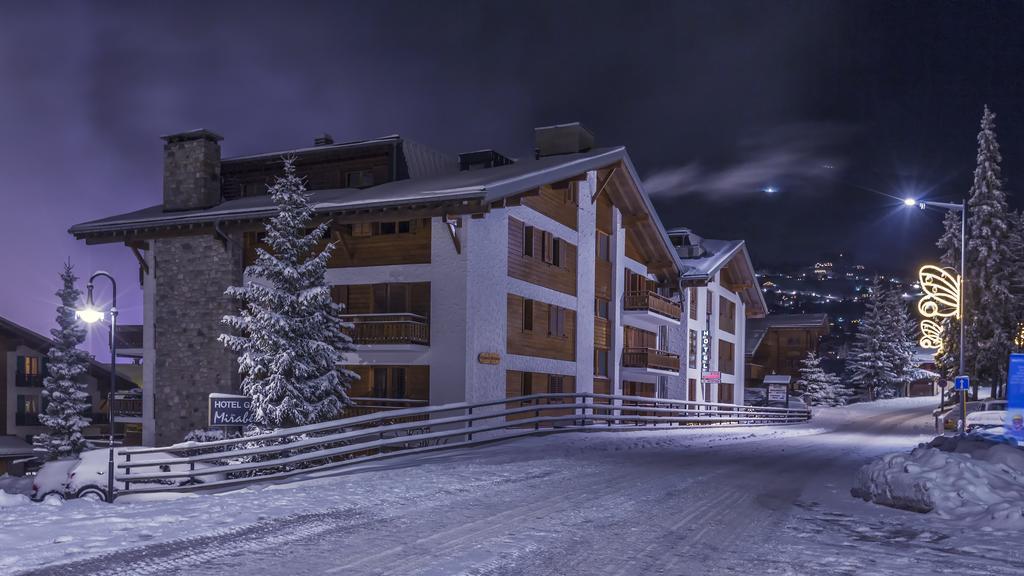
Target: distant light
[
  {"x": 910, "y": 202},
  {"x": 89, "y": 315},
  {"x": 770, "y": 190}
]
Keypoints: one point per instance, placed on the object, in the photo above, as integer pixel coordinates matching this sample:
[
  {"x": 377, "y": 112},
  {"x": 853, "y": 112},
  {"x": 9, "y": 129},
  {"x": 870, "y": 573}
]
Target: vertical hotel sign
[{"x": 941, "y": 300}]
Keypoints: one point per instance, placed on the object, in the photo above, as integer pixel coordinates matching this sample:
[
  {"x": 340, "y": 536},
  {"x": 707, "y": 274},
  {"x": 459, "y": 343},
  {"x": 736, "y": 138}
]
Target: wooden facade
[
  {"x": 782, "y": 349},
  {"x": 392, "y": 381},
  {"x": 560, "y": 204},
  {"x": 519, "y": 383},
  {"x": 390, "y": 298},
  {"x": 370, "y": 243},
  {"x": 539, "y": 257},
  {"x": 540, "y": 329}
]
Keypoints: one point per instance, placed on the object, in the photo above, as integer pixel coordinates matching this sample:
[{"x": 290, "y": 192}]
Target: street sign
[
  {"x": 962, "y": 383},
  {"x": 230, "y": 410},
  {"x": 778, "y": 393},
  {"x": 1015, "y": 397}
]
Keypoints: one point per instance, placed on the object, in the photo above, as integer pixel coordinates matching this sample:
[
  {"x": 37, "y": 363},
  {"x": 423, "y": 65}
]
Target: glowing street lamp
[
  {"x": 910, "y": 202},
  {"x": 91, "y": 315}
]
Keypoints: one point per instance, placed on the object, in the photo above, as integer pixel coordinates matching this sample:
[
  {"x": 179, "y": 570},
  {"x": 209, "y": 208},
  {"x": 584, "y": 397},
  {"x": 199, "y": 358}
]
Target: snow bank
[
  {"x": 969, "y": 480},
  {"x": 12, "y": 500}
]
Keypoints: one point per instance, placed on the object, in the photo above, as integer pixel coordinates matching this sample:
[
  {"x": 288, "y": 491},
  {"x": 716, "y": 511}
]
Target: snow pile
[
  {"x": 968, "y": 480},
  {"x": 12, "y": 500}
]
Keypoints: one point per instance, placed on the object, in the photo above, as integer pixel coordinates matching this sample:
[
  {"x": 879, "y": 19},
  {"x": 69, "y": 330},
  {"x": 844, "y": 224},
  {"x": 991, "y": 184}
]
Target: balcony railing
[
  {"x": 650, "y": 358},
  {"x": 363, "y": 406},
  {"x": 401, "y": 328},
  {"x": 652, "y": 302},
  {"x": 127, "y": 405}
]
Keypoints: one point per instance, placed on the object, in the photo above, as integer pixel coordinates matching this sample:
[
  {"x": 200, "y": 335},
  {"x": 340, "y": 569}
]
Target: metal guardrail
[{"x": 329, "y": 445}]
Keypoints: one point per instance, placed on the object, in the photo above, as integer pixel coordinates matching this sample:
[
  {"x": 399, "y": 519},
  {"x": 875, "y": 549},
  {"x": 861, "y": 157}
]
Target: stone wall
[
  {"x": 190, "y": 275},
  {"x": 191, "y": 170}
]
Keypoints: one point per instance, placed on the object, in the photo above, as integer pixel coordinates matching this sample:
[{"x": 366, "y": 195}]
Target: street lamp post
[
  {"x": 90, "y": 315},
  {"x": 962, "y": 208}
]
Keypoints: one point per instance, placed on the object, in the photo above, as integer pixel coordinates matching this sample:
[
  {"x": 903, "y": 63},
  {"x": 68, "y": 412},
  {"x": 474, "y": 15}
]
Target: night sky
[{"x": 841, "y": 106}]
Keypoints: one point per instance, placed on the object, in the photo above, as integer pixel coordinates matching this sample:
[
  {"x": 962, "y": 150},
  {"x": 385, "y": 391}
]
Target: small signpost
[
  {"x": 1015, "y": 397},
  {"x": 778, "y": 389},
  {"x": 962, "y": 383},
  {"x": 229, "y": 410}
]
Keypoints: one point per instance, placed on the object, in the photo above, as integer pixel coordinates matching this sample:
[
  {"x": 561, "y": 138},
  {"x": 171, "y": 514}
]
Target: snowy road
[{"x": 729, "y": 501}]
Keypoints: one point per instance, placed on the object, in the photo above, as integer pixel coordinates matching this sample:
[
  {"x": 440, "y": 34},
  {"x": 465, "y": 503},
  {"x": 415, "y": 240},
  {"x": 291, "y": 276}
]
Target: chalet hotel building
[{"x": 467, "y": 278}]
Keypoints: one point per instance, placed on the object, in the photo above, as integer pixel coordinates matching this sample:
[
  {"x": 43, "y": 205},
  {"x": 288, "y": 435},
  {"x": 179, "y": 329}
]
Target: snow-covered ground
[{"x": 762, "y": 500}]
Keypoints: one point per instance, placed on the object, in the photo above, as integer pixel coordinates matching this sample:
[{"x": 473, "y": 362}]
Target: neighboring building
[
  {"x": 467, "y": 278},
  {"x": 22, "y": 370},
  {"x": 722, "y": 293},
  {"x": 777, "y": 343}
]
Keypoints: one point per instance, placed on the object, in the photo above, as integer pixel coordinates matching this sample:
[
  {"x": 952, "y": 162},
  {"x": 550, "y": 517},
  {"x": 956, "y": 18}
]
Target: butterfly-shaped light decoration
[
  {"x": 941, "y": 293},
  {"x": 931, "y": 335}
]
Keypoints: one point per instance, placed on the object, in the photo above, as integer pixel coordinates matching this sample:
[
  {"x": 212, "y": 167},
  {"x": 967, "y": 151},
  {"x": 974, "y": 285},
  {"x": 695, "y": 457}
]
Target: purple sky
[{"x": 714, "y": 101}]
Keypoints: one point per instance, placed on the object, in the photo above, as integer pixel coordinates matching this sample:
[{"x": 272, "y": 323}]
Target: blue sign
[
  {"x": 962, "y": 383},
  {"x": 230, "y": 410},
  {"x": 1015, "y": 397}
]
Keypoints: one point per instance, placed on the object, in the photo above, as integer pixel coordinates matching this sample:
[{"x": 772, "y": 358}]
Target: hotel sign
[
  {"x": 230, "y": 410},
  {"x": 705, "y": 352}
]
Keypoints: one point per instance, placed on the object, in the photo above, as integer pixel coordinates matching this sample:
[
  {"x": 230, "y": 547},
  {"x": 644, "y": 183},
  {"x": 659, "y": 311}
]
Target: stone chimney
[
  {"x": 324, "y": 139},
  {"x": 191, "y": 170},
  {"x": 562, "y": 139}
]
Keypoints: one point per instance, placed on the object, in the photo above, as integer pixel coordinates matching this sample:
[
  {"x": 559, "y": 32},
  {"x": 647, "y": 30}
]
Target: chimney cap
[
  {"x": 197, "y": 134},
  {"x": 324, "y": 139}
]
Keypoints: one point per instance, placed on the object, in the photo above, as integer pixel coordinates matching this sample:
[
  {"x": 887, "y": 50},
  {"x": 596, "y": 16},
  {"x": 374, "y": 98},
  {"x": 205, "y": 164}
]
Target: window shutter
[{"x": 528, "y": 241}]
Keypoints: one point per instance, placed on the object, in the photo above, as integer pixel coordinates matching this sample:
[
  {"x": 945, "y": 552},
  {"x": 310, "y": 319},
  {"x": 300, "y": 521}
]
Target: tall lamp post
[
  {"x": 91, "y": 315},
  {"x": 962, "y": 209}
]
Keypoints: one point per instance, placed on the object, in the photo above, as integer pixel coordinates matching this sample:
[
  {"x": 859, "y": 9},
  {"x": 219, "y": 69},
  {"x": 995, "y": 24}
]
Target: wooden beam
[
  {"x": 143, "y": 266},
  {"x": 635, "y": 219},
  {"x": 601, "y": 188},
  {"x": 453, "y": 224},
  {"x": 338, "y": 238}
]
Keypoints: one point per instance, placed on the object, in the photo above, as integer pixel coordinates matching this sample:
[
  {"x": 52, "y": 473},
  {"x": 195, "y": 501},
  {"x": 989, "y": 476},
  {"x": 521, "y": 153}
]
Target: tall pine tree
[
  {"x": 820, "y": 388},
  {"x": 947, "y": 357},
  {"x": 990, "y": 314},
  {"x": 64, "y": 389},
  {"x": 870, "y": 364},
  {"x": 902, "y": 343},
  {"x": 289, "y": 333}
]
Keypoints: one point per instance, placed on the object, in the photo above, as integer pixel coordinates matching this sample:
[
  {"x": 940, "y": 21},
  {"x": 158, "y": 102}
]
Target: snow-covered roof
[
  {"x": 481, "y": 185},
  {"x": 777, "y": 379},
  {"x": 717, "y": 255}
]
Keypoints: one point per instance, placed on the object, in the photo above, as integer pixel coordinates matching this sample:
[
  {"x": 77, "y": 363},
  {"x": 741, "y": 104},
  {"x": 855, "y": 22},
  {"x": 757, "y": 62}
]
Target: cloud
[{"x": 790, "y": 157}]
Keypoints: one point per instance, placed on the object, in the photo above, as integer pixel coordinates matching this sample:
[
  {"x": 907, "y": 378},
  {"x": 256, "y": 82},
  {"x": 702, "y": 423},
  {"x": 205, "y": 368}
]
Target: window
[
  {"x": 389, "y": 382},
  {"x": 604, "y": 247},
  {"x": 726, "y": 360},
  {"x": 707, "y": 392},
  {"x": 709, "y": 303},
  {"x": 600, "y": 362},
  {"x": 556, "y": 321},
  {"x": 727, "y": 315},
  {"x": 662, "y": 386},
  {"x": 359, "y": 179},
  {"x": 384, "y": 228},
  {"x": 556, "y": 252},
  {"x": 554, "y": 384},
  {"x": 362, "y": 229},
  {"x": 339, "y": 294},
  {"x": 663, "y": 338},
  {"x": 691, "y": 350},
  {"x": 528, "y": 315},
  {"x": 405, "y": 227},
  {"x": 390, "y": 298},
  {"x": 380, "y": 382},
  {"x": 528, "y": 241},
  {"x": 691, "y": 389},
  {"x": 601, "y": 308},
  {"x": 398, "y": 383},
  {"x": 693, "y": 303},
  {"x": 725, "y": 393},
  {"x": 29, "y": 371},
  {"x": 28, "y": 404},
  {"x": 547, "y": 247},
  {"x": 527, "y": 384}
]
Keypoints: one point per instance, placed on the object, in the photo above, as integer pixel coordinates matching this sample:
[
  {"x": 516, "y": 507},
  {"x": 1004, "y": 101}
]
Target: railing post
[
  {"x": 191, "y": 472},
  {"x": 127, "y": 469},
  {"x": 536, "y": 414},
  {"x": 469, "y": 424}
]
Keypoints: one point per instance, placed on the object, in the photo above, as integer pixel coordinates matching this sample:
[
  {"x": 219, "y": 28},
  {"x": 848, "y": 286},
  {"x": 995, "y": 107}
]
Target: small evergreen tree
[
  {"x": 289, "y": 333},
  {"x": 820, "y": 388},
  {"x": 64, "y": 389},
  {"x": 901, "y": 343}
]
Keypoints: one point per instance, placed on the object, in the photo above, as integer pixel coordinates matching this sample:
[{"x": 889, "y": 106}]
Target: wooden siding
[
  {"x": 539, "y": 383},
  {"x": 557, "y": 204},
  {"x": 637, "y": 338},
  {"x": 604, "y": 215},
  {"x": 350, "y": 250},
  {"x": 417, "y": 382},
  {"x": 603, "y": 279},
  {"x": 537, "y": 342},
  {"x": 601, "y": 333},
  {"x": 534, "y": 269}
]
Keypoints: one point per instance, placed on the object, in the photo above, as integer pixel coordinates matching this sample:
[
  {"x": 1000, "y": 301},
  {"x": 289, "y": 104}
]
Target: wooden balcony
[
  {"x": 127, "y": 406},
  {"x": 650, "y": 358},
  {"x": 652, "y": 302},
  {"x": 401, "y": 328},
  {"x": 363, "y": 406}
]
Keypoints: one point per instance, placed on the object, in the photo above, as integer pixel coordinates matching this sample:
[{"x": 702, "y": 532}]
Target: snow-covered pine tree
[
  {"x": 289, "y": 333},
  {"x": 902, "y": 344},
  {"x": 64, "y": 390},
  {"x": 947, "y": 358},
  {"x": 820, "y": 388},
  {"x": 990, "y": 310},
  {"x": 870, "y": 363}
]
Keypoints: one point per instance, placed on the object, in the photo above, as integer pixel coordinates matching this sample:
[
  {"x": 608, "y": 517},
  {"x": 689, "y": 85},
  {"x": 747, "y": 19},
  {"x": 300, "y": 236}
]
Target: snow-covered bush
[{"x": 959, "y": 479}]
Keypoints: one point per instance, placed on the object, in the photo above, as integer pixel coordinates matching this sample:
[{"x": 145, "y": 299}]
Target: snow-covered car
[
  {"x": 952, "y": 416},
  {"x": 985, "y": 419},
  {"x": 89, "y": 477},
  {"x": 52, "y": 478}
]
